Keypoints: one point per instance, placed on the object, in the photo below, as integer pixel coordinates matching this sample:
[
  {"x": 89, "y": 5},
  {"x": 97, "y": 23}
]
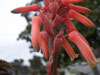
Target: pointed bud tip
[
  {"x": 79, "y": 8},
  {"x": 89, "y": 10},
  {"x": 92, "y": 25},
  {"x": 15, "y": 12},
  {"x": 12, "y": 11},
  {"x": 76, "y": 55},
  {"x": 94, "y": 65},
  {"x": 24, "y": 9}
]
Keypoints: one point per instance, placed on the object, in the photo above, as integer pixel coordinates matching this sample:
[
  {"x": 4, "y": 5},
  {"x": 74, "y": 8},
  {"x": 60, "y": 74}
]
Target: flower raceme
[{"x": 52, "y": 15}]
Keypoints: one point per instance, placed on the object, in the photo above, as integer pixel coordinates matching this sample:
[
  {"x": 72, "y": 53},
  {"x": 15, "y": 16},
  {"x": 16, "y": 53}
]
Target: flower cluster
[{"x": 52, "y": 15}]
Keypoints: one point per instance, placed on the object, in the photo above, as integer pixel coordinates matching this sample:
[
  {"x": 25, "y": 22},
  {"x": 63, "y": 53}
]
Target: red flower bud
[
  {"x": 79, "y": 8},
  {"x": 57, "y": 21},
  {"x": 69, "y": 49},
  {"x": 53, "y": 6},
  {"x": 61, "y": 33},
  {"x": 46, "y": 3},
  {"x": 35, "y": 32},
  {"x": 33, "y": 7},
  {"x": 62, "y": 11},
  {"x": 65, "y": 2},
  {"x": 47, "y": 25},
  {"x": 56, "y": 46},
  {"x": 81, "y": 18},
  {"x": 44, "y": 45},
  {"x": 70, "y": 26}
]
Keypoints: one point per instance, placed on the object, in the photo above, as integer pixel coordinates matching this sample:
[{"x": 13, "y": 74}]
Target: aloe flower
[
  {"x": 44, "y": 46},
  {"x": 35, "y": 32},
  {"x": 83, "y": 47},
  {"x": 33, "y": 7},
  {"x": 52, "y": 15},
  {"x": 69, "y": 49}
]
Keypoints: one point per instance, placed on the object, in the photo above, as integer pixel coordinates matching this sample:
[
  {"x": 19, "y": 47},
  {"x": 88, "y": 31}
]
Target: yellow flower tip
[
  {"x": 92, "y": 64},
  {"x": 76, "y": 55},
  {"x": 71, "y": 58},
  {"x": 98, "y": 61}
]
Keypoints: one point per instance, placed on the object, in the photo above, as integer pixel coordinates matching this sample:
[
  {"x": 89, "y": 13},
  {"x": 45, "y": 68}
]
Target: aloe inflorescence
[{"x": 52, "y": 15}]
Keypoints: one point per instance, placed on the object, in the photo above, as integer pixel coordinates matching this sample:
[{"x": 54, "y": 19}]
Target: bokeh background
[{"x": 16, "y": 48}]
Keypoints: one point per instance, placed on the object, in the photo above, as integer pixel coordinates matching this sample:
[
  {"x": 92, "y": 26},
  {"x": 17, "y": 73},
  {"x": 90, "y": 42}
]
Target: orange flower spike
[
  {"x": 35, "y": 32},
  {"x": 79, "y": 8},
  {"x": 65, "y": 2},
  {"x": 69, "y": 49},
  {"x": 84, "y": 48},
  {"x": 33, "y": 7},
  {"x": 87, "y": 22},
  {"x": 44, "y": 45}
]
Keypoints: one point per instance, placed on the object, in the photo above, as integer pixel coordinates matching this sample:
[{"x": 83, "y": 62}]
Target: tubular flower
[
  {"x": 33, "y": 7},
  {"x": 50, "y": 39},
  {"x": 65, "y": 2},
  {"x": 57, "y": 42},
  {"x": 44, "y": 45},
  {"x": 58, "y": 20},
  {"x": 56, "y": 46},
  {"x": 79, "y": 8},
  {"x": 83, "y": 39},
  {"x": 81, "y": 18},
  {"x": 35, "y": 32},
  {"x": 83, "y": 47},
  {"x": 70, "y": 26},
  {"x": 69, "y": 49}
]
